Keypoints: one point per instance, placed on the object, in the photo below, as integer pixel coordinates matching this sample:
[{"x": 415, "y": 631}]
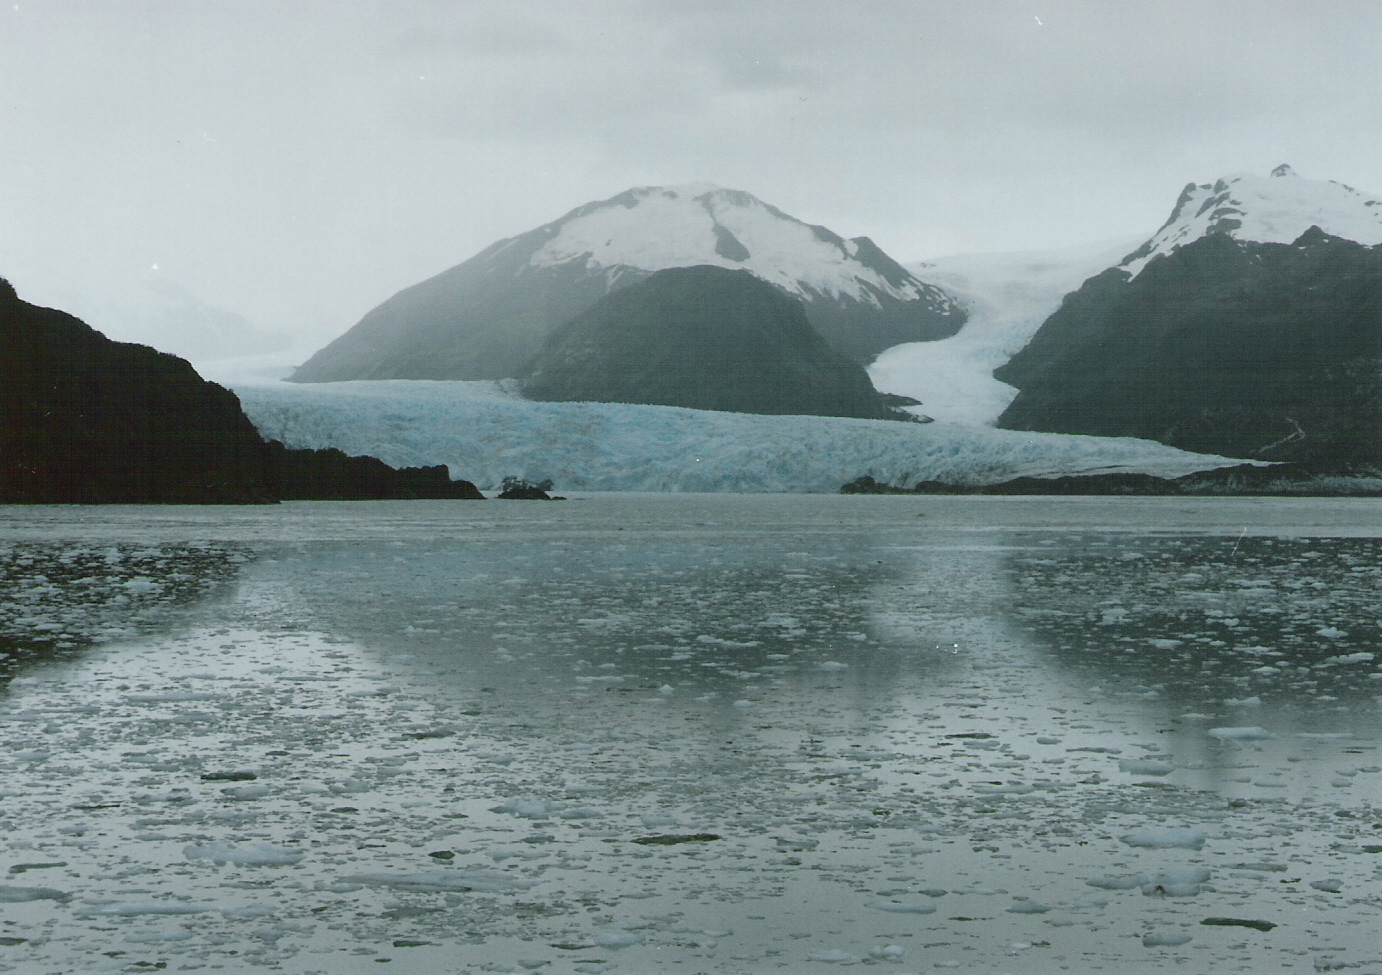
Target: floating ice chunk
[
  {"x": 1176, "y": 882},
  {"x": 1243, "y": 702},
  {"x": 832, "y": 956},
  {"x": 250, "y": 855},
  {"x": 529, "y": 808},
  {"x": 716, "y": 641},
  {"x": 834, "y": 665},
  {"x": 666, "y": 689},
  {"x": 161, "y": 908},
  {"x": 1165, "y": 939},
  {"x": 1252, "y": 733},
  {"x": 1011, "y": 789},
  {"x": 1173, "y": 838},
  {"x": 887, "y": 952},
  {"x": 617, "y": 938},
  {"x": 1328, "y": 886},
  {"x": 1362, "y": 656},
  {"x": 1122, "y": 882},
  {"x": 1330, "y": 632},
  {"x": 1166, "y": 644},
  {"x": 20, "y": 895},
  {"x": 346, "y": 787},
  {"x": 246, "y": 793},
  {"x": 1144, "y": 766},
  {"x": 580, "y": 812},
  {"x": 158, "y": 937},
  {"x": 141, "y": 584},
  {"x": 461, "y": 881},
  {"x": 169, "y": 697},
  {"x": 903, "y": 907},
  {"x": 1026, "y": 906}
]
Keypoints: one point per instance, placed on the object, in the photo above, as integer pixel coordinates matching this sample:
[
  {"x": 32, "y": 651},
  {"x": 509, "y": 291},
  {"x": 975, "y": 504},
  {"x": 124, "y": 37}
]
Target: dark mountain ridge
[
  {"x": 1264, "y": 351},
  {"x": 86, "y": 420}
]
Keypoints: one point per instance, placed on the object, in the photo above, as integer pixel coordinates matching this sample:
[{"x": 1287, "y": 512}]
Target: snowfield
[
  {"x": 682, "y": 226},
  {"x": 485, "y": 432}
]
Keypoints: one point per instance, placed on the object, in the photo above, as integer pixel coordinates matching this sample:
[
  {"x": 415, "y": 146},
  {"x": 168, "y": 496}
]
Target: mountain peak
[
  {"x": 649, "y": 228},
  {"x": 1271, "y": 209},
  {"x": 691, "y": 190},
  {"x": 485, "y": 318}
]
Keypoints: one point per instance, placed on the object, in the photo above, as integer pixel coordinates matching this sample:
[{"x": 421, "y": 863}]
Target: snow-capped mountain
[
  {"x": 485, "y": 318},
  {"x": 652, "y": 228},
  {"x": 1224, "y": 333},
  {"x": 1273, "y": 209},
  {"x": 1008, "y": 296}
]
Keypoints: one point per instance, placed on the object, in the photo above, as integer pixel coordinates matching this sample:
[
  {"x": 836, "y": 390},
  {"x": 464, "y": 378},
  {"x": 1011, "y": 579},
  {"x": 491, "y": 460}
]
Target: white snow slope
[
  {"x": 484, "y": 432},
  {"x": 656, "y": 227},
  {"x": 1007, "y": 297},
  {"x": 1273, "y": 209}
]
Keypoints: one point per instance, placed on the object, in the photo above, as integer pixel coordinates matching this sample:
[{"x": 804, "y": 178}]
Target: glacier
[
  {"x": 1006, "y": 297},
  {"x": 484, "y": 431}
]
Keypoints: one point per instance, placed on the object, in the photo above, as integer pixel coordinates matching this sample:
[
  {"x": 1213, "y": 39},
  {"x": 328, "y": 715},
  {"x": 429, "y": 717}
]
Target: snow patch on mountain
[
  {"x": 485, "y": 432},
  {"x": 651, "y": 228},
  {"x": 1007, "y": 298},
  {"x": 1273, "y": 209}
]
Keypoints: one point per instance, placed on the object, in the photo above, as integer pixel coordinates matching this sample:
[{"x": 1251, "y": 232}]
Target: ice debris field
[{"x": 710, "y": 734}]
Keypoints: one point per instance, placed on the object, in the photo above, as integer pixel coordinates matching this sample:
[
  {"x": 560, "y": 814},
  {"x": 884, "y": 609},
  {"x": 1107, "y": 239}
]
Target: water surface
[{"x": 1027, "y": 735}]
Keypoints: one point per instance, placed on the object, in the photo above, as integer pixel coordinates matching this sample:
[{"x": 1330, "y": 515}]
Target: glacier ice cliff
[{"x": 485, "y": 432}]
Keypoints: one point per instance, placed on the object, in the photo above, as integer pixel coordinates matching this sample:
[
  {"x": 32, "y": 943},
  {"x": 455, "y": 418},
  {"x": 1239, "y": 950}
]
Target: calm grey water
[{"x": 988, "y": 735}]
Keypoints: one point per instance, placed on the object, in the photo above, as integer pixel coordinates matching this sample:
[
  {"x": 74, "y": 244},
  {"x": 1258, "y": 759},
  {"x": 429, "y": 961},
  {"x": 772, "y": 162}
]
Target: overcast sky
[{"x": 300, "y": 162}]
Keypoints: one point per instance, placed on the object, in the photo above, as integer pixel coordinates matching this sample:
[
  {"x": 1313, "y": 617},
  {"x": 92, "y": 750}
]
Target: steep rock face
[
  {"x": 84, "y": 419},
  {"x": 1258, "y": 350},
  {"x": 705, "y": 338},
  {"x": 485, "y": 318},
  {"x": 331, "y": 475}
]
